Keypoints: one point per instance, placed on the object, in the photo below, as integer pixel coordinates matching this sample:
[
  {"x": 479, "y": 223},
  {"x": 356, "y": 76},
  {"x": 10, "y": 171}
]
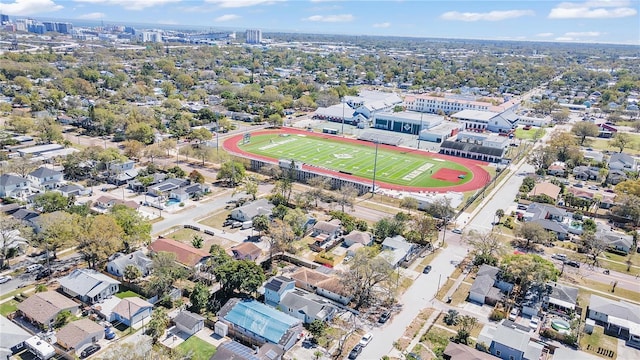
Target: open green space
[
  {"x": 393, "y": 166},
  {"x": 126, "y": 294},
  {"x": 530, "y": 134},
  {"x": 604, "y": 144},
  {"x": 8, "y": 307},
  {"x": 196, "y": 349}
]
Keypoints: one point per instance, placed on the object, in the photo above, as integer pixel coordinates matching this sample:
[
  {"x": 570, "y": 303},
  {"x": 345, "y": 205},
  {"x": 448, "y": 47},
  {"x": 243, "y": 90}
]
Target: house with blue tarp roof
[{"x": 253, "y": 322}]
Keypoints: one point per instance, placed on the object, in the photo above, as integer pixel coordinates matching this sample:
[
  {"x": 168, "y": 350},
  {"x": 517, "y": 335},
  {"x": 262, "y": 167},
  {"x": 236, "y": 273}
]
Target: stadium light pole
[
  {"x": 375, "y": 165},
  {"x": 343, "y": 115},
  {"x": 419, "y": 130}
]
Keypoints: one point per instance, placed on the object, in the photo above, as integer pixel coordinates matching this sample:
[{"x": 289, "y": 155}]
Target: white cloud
[
  {"x": 92, "y": 16},
  {"x": 241, "y": 3},
  {"x": 382, "y": 25},
  {"x": 130, "y": 4},
  {"x": 547, "y": 34},
  {"x": 584, "y": 33},
  {"x": 226, "y": 17},
  {"x": 488, "y": 16},
  {"x": 593, "y": 10},
  {"x": 29, "y": 7},
  {"x": 330, "y": 18}
]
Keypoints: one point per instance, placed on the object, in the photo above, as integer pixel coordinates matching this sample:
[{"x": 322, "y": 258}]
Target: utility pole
[{"x": 375, "y": 165}]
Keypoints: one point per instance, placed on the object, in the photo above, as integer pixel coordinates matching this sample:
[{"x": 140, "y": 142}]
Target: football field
[{"x": 394, "y": 165}]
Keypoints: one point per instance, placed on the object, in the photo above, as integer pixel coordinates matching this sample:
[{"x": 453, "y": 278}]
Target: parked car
[
  {"x": 43, "y": 274},
  {"x": 4, "y": 279},
  {"x": 426, "y": 269},
  {"x": 562, "y": 257},
  {"x": 89, "y": 350},
  {"x": 366, "y": 339},
  {"x": 384, "y": 317},
  {"x": 457, "y": 231},
  {"x": 236, "y": 224},
  {"x": 513, "y": 314},
  {"x": 355, "y": 352},
  {"x": 573, "y": 263},
  {"x": 534, "y": 323},
  {"x": 109, "y": 334}
]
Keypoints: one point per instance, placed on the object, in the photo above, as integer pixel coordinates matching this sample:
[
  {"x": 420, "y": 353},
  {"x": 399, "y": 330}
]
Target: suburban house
[
  {"x": 593, "y": 155},
  {"x": 166, "y": 187},
  {"x": 275, "y": 289},
  {"x": 614, "y": 239},
  {"x": 488, "y": 288},
  {"x": 88, "y": 285},
  {"x": 186, "y": 255},
  {"x": 549, "y": 217},
  {"x": 358, "y": 237},
  {"x": 280, "y": 292},
  {"x": 77, "y": 334},
  {"x": 254, "y": 322},
  {"x": 131, "y": 311},
  {"x": 119, "y": 263},
  {"x": 73, "y": 190},
  {"x": 12, "y": 240},
  {"x": 12, "y": 339},
  {"x": 455, "y": 351},
  {"x": 619, "y": 318},
  {"x": 322, "y": 284},
  {"x": 42, "y": 308},
  {"x": 396, "y": 250},
  {"x": 245, "y": 251},
  {"x": 107, "y": 202},
  {"x": 510, "y": 341},
  {"x": 557, "y": 168},
  {"x": 188, "y": 322},
  {"x": 545, "y": 188},
  {"x": 615, "y": 177},
  {"x": 189, "y": 191},
  {"x": 248, "y": 211},
  {"x": 232, "y": 350},
  {"x": 13, "y": 186},
  {"x": 621, "y": 161},
  {"x": 586, "y": 173},
  {"x": 560, "y": 299},
  {"x": 324, "y": 231},
  {"x": 116, "y": 167},
  {"x": 45, "y": 179}
]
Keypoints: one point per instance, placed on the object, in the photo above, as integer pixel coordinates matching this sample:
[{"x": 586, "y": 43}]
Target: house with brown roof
[
  {"x": 80, "y": 333},
  {"x": 325, "y": 285},
  {"x": 545, "y": 188},
  {"x": 131, "y": 310},
  {"x": 325, "y": 231},
  {"x": 245, "y": 251},
  {"x": 107, "y": 202},
  {"x": 186, "y": 255},
  {"x": 42, "y": 308}
]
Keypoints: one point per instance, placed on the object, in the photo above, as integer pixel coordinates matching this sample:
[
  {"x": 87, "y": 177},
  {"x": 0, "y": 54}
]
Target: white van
[
  {"x": 34, "y": 267},
  {"x": 247, "y": 225}
]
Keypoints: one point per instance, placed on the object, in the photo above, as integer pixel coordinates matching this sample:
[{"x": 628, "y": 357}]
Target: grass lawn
[
  {"x": 198, "y": 348},
  {"x": 603, "y": 144},
  {"x": 8, "y": 307},
  {"x": 523, "y": 134},
  {"x": 216, "y": 220},
  {"x": 127, "y": 294},
  {"x": 598, "y": 339},
  {"x": 185, "y": 235},
  {"x": 16, "y": 292},
  {"x": 393, "y": 166}
]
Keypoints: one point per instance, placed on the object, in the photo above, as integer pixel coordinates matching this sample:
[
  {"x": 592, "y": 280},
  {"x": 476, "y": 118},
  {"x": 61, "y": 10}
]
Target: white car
[
  {"x": 457, "y": 231},
  {"x": 4, "y": 279},
  {"x": 366, "y": 339},
  {"x": 561, "y": 257},
  {"x": 513, "y": 314},
  {"x": 534, "y": 323}
]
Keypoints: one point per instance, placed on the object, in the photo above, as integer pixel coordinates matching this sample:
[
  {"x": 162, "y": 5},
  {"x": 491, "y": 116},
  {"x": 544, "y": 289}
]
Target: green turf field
[{"x": 394, "y": 167}]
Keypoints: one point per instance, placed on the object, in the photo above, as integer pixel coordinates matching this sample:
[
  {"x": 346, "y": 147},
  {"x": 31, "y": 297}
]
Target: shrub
[{"x": 497, "y": 315}]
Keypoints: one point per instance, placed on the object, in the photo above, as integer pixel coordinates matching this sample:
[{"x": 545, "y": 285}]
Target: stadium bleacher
[{"x": 386, "y": 139}]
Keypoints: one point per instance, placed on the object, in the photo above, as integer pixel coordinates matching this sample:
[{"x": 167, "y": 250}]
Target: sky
[{"x": 595, "y": 21}]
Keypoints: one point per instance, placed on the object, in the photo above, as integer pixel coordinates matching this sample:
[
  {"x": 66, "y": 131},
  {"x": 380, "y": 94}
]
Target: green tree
[
  {"x": 409, "y": 203},
  {"x": 466, "y": 324},
  {"x": 388, "y": 227},
  {"x": 62, "y": 319},
  {"x": 197, "y": 241},
  {"x": 41, "y": 288},
  {"x": 620, "y": 141},
  {"x": 250, "y": 186},
  {"x": 51, "y": 201},
  {"x": 136, "y": 228},
  {"x": 261, "y": 223},
  {"x": 367, "y": 277},
  {"x": 132, "y": 273},
  {"x": 561, "y": 116},
  {"x": 346, "y": 196},
  {"x": 200, "y": 135},
  {"x": 141, "y": 132},
  {"x": 532, "y": 233},
  {"x": 243, "y": 276},
  {"x": 528, "y": 269},
  {"x": 199, "y": 297},
  {"x": 158, "y": 323},
  {"x": 196, "y": 177},
  {"x": 317, "y": 328},
  {"x": 584, "y": 129},
  {"x": 232, "y": 172},
  {"x": 451, "y": 317},
  {"x": 48, "y": 130},
  {"x": 58, "y": 230},
  {"x": 101, "y": 238}
]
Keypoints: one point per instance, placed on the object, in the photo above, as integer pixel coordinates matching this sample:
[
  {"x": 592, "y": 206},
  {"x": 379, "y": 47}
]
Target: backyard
[{"x": 196, "y": 349}]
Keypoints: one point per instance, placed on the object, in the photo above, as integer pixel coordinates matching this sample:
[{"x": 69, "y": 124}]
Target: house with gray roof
[
  {"x": 88, "y": 285},
  {"x": 622, "y": 161},
  {"x": 488, "y": 288},
  {"x": 188, "y": 322},
  {"x": 44, "y": 178},
  {"x": 14, "y": 186},
  {"x": 619, "y": 318},
  {"x": 554, "y": 227},
  {"x": 615, "y": 177},
  {"x": 131, "y": 311},
  {"x": 508, "y": 341},
  {"x": 167, "y": 186},
  {"x": 13, "y": 336},
  {"x": 42, "y": 308},
  {"x": 325, "y": 231},
  {"x": 586, "y": 173},
  {"x": 549, "y": 217},
  {"x": 79, "y": 334},
  {"x": 307, "y": 306},
  {"x": 73, "y": 190},
  {"x": 560, "y": 299},
  {"x": 248, "y": 211},
  {"x": 614, "y": 239},
  {"x": 396, "y": 250},
  {"x": 120, "y": 261},
  {"x": 232, "y": 350},
  {"x": 358, "y": 237},
  {"x": 275, "y": 289}
]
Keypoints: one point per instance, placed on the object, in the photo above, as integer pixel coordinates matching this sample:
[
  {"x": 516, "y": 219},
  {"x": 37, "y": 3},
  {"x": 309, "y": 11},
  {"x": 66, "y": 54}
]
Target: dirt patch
[{"x": 412, "y": 330}]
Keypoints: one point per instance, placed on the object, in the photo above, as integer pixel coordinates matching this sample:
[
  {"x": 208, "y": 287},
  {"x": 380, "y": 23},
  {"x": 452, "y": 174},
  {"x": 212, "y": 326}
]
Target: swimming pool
[{"x": 172, "y": 202}]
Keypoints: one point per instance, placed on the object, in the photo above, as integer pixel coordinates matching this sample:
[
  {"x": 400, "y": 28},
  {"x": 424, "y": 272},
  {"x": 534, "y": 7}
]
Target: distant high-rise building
[
  {"x": 130, "y": 30},
  {"x": 21, "y": 25},
  {"x": 50, "y": 26},
  {"x": 4, "y": 19},
  {"x": 64, "y": 28},
  {"x": 150, "y": 36},
  {"x": 254, "y": 36}
]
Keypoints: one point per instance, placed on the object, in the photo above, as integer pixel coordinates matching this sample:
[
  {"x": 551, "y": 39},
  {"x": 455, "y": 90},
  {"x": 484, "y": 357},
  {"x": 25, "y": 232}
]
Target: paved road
[{"x": 416, "y": 298}]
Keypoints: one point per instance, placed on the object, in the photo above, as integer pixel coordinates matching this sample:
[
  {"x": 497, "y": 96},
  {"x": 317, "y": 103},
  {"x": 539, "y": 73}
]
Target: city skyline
[{"x": 597, "y": 21}]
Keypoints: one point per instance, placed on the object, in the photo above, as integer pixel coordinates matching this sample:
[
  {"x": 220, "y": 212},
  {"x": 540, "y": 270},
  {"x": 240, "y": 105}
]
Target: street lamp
[
  {"x": 375, "y": 165},
  {"x": 420, "y": 129},
  {"x": 343, "y": 115}
]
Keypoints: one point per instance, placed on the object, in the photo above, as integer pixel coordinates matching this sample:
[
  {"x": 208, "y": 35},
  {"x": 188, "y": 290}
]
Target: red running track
[{"x": 480, "y": 176}]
